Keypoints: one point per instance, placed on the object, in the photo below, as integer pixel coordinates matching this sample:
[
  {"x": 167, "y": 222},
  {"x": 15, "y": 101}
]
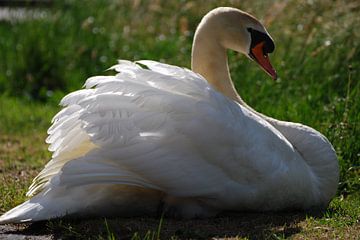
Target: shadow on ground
[{"x": 250, "y": 225}]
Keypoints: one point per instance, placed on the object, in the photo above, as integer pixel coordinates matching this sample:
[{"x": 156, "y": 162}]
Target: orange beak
[{"x": 263, "y": 60}]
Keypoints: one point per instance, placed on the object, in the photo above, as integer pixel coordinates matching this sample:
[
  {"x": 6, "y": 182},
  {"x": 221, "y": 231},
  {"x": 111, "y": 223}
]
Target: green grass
[{"x": 317, "y": 57}]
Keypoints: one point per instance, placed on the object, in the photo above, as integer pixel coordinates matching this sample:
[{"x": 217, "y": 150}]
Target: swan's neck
[{"x": 209, "y": 59}]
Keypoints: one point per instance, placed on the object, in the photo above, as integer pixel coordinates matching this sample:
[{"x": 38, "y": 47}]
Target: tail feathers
[
  {"x": 28, "y": 211},
  {"x": 41, "y": 207},
  {"x": 86, "y": 201},
  {"x": 319, "y": 155}
]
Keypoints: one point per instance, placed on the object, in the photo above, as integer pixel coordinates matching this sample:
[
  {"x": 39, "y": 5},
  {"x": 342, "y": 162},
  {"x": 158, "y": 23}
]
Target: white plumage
[{"x": 162, "y": 135}]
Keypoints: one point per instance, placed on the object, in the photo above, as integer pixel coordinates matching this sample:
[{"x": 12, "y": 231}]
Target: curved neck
[{"x": 209, "y": 59}]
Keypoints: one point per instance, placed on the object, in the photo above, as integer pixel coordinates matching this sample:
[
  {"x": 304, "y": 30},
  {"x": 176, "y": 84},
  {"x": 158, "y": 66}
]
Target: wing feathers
[{"x": 149, "y": 123}]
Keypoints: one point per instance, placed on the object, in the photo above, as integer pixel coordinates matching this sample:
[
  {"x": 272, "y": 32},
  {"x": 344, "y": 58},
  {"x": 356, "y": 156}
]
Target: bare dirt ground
[
  {"x": 249, "y": 225},
  {"x": 20, "y": 232}
]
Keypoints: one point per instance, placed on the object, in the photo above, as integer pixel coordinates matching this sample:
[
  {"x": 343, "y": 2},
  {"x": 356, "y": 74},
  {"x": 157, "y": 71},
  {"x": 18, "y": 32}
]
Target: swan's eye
[
  {"x": 269, "y": 46},
  {"x": 257, "y": 37}
]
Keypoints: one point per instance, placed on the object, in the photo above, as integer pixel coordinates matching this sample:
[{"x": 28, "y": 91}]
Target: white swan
[{"x": 163, "y": 136}]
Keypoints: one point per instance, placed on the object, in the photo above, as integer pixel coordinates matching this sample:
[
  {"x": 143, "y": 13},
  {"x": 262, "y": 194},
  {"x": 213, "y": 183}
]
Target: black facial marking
[{"x": 258, "y": 37}]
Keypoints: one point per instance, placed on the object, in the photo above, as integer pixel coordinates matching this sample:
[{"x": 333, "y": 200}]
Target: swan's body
[{"x": 163, "y": 136}]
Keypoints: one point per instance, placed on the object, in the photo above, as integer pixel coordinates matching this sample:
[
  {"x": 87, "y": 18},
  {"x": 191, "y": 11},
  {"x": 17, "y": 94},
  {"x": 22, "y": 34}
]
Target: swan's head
[{"x": 241, "y": 32}]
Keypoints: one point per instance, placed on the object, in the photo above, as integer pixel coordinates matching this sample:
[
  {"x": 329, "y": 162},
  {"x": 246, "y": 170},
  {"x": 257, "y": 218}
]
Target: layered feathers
[{"x": 163, "y": 131}]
